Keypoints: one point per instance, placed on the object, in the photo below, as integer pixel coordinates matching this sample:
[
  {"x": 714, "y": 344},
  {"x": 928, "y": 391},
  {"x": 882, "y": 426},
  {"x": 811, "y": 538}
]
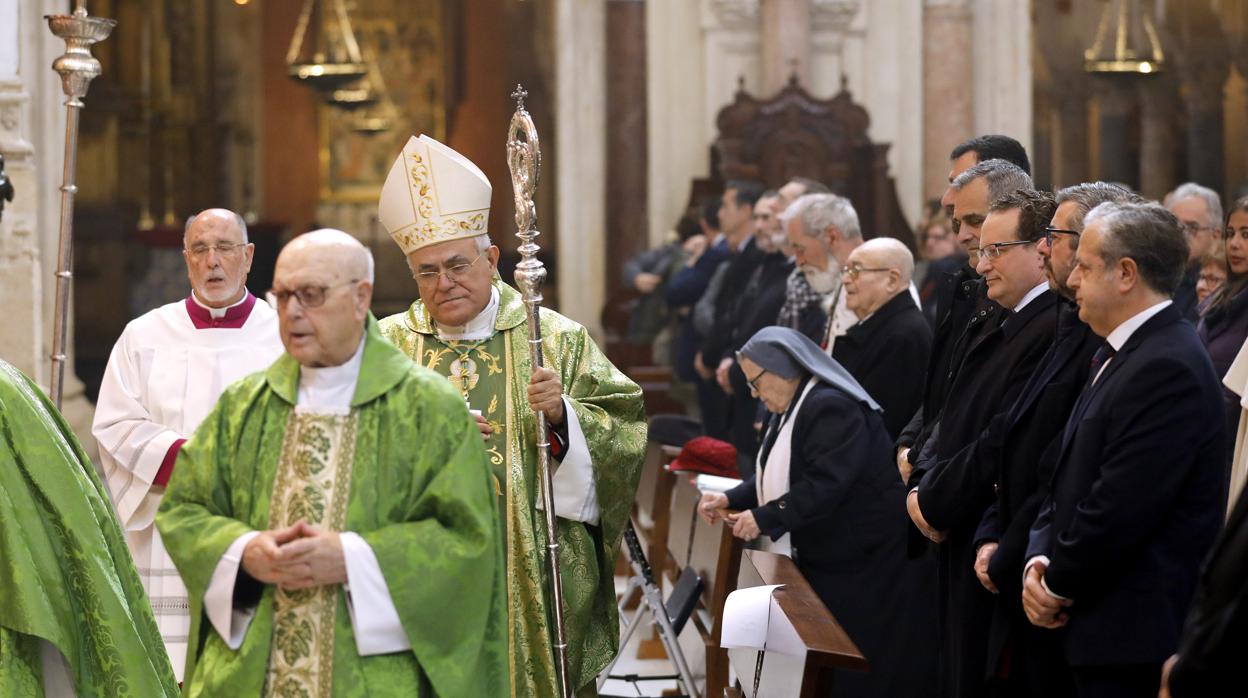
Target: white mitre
[{"x": 433, "y": 194}]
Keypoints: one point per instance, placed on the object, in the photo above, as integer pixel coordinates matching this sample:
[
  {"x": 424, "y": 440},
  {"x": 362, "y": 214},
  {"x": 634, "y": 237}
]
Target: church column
[
  {"x": 1157, "y": 137},
  {"x": 1001, "y": 50},
  {"x": 785, "y": 43},
  {"x": 580, "y": 136},
  {"x": 20, "y": 272},
  {"x": 948, "y": 106},
  {"x": 1114, "y": 128},
  {"x": 626, "y": 220}
]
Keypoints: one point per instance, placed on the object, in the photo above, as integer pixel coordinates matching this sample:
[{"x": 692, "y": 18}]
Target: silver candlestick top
[{"x": 77, "y": 67}]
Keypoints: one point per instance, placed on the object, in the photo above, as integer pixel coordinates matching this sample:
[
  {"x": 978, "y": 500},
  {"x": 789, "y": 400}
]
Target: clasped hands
[
  {"x": 545, "y": 396},
  {"x": 713, "y": 505},
  {"x": 296, "y": 557}
]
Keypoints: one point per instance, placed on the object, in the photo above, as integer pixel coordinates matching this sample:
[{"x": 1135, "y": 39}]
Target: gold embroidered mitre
[{"x": 433, "y": 194}]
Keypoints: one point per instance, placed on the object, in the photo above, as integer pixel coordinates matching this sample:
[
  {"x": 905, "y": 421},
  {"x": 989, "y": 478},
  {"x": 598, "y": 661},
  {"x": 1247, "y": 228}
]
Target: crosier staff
[{"x": 524, "y": 158}]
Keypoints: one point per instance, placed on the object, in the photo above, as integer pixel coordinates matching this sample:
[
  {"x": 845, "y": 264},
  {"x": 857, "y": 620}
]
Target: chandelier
[
  {"x": 323, "y": 51},
  {"x": 1126, "y": 42}
]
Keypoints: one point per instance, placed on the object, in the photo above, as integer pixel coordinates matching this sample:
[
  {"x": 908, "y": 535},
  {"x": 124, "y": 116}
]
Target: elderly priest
[
  {"x": 471, "y": 327},
  {"x": 73, "y": 617},
  {"x": 165, "y": 373},
  {"x": 333, "y": 517}
]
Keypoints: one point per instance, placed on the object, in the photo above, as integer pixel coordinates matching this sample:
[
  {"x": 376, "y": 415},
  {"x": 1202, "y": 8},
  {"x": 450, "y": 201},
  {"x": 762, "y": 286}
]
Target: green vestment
[
  {"x": 65, "y": 573},
  {"x": 611, "y": 415},
  {"x": 420, "y": 495}
]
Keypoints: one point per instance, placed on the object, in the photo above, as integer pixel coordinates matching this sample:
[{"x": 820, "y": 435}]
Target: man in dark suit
[
  {"x": 1216, "y": 631},
  {"x": 1013, "y": 459},
  {"x": 960, "y": 296},
  {"x": 887, "y": 350},
  {"x": 944, "y": 505},
  {"x": 1138, "y": 493}
]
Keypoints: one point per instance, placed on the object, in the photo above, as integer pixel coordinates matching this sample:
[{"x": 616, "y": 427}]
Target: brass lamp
[
  {"x": 1126, "y": 42},
  {"x": 323, "y": 52}
]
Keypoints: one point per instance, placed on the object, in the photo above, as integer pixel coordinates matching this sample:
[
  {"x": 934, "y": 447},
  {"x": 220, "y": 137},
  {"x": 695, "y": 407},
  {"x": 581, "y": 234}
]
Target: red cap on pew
[{"x": 707, "y": 455}]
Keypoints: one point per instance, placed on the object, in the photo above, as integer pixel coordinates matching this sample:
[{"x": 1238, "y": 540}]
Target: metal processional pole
[
  {"x": 524, "y": 158},
  {"x": 77, "y": 67}
]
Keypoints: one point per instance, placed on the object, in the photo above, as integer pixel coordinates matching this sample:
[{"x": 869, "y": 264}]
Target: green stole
[{"x": 313, "y": 484}]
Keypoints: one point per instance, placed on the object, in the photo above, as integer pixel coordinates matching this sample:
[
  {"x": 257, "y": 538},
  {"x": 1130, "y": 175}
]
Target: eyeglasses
[
  {"x": 223, "y": 249},
  {"x": 309, "y": 296},
  {"x": 1050, "y": 231},
  {"x": 1191, "y": 228},
  {"x": 454, "y": 273},
  {"x": 853, "y": 271},
  {"x": 994, "y": 250},
  {"x": 753, "y": 382},
  {"x": 1211, "y": 279}
]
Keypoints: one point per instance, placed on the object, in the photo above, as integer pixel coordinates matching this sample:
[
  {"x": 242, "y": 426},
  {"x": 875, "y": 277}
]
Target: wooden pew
[
  {"x": 712, "y": 551},
  {"x": 827, "y": 645},
  {"x": 653, "y": 506}
]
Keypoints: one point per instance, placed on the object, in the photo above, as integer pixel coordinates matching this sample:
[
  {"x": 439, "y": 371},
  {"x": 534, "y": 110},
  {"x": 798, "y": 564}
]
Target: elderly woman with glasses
[{"x": 825, "y": 493}]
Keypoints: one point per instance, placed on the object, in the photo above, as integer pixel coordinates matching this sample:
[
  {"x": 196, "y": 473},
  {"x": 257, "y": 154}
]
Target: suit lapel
[{"x": 1168, "y": 316}]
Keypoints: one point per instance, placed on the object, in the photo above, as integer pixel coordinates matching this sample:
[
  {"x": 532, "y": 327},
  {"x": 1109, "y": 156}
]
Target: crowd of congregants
[
  {"x": 1052, "y": 385},
  {"x": 1014, "y": 473}
]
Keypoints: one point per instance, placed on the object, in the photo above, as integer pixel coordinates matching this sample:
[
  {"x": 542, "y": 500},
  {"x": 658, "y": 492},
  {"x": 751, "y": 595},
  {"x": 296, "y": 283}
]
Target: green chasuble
[
  {"x": 495, "y": 376},
  {"x": 66, "y": 576},
  {"x": 406, "y": 471}
]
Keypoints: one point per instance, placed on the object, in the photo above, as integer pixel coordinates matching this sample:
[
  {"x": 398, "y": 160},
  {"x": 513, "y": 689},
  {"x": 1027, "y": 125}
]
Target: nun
[{"x": 825, "y": 492}]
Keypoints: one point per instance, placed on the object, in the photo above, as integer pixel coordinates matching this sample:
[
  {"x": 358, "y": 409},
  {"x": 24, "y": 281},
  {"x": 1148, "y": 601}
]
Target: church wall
[{"x": 698, "y": 55}]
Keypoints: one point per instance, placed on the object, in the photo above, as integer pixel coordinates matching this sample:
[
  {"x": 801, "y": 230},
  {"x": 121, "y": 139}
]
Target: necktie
[{"x": 1103, "y": 353}]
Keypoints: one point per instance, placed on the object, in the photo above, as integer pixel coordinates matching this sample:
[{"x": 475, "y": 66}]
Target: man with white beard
[
  {"x": 823, "y": 229},
  {"x": 165, "y": 374}
]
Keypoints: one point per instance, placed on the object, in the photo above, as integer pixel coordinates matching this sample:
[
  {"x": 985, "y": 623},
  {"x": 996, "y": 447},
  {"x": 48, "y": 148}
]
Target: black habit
[{"x": 845, "y": 515}]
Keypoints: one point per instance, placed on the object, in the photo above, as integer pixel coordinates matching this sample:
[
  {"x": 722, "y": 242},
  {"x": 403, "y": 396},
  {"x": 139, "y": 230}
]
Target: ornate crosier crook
[{"x": 524, "y": 158}]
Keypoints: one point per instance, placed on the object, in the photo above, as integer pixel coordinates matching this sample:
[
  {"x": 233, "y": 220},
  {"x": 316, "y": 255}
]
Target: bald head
[
  {"x": 218, "y": 256},
  {"x": 323, "y": 284},
  {"x": 352, "y": 258},
  {"x": 888, "y": 253},
  {"x": 878, "y": 270}
]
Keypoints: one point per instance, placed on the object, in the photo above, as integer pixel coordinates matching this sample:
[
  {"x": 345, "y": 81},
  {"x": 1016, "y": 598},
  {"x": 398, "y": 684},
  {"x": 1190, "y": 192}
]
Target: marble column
[
  {"x": 626, "y": 217},
  {"x": 32, "y": 128},
  {"x": 948, "y": 88},
  {"x": 580, "y": 136},
  {"x": 785, "y": 43},
  {"x": 1157, "y": 129},
  {"x": 1115, "y": 102}
]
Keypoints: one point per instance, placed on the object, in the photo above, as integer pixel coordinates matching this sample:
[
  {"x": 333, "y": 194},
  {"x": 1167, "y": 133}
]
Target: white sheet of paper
[
  {"x": 715, "y": 483},
  {"x": 746, "y": 614}
]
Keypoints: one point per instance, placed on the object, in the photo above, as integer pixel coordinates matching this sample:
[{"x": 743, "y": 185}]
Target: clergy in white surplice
[{"x": 164, "y": 375}]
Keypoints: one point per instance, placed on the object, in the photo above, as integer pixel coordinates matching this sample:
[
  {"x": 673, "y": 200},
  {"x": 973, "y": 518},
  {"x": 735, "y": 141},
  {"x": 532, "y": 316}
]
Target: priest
[
  {"x": 470, "y": 326},
  {"x": 165, "y": 373},
  {"x": 73, "y": 617},
  {"x": 333, "y": 517}
]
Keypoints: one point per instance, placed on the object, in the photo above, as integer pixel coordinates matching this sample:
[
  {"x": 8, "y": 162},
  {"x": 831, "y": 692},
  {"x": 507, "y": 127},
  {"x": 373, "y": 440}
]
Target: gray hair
[
  {"x": 483, "y": 242},
  {"x": 1192, "y": 190},
  {"x": 1147, "y": 233},
  {"x": 1003, "y": 177},
  {"x": 818, "y": 212},
  {"x": 1089, "y": 195},
  {"x": 238, "y": 221}
]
